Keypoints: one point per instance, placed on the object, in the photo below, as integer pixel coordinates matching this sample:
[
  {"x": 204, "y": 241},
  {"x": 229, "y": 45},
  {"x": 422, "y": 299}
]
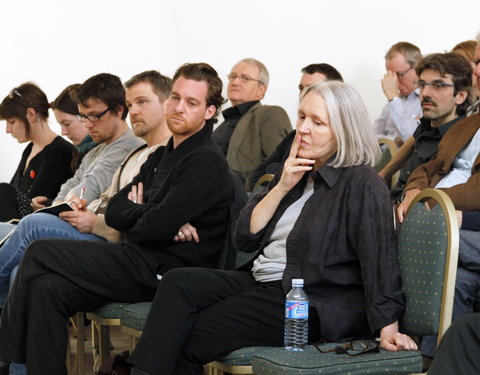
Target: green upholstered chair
[
  {"x": 132, "y": 319},
  {"x": 102, "y": 319},
  {"x": 276, "y": 361},
  {"x": 428, "y": 252},
  {"x": 262, "y": 182},
  {"x": 389, "y": 151}
]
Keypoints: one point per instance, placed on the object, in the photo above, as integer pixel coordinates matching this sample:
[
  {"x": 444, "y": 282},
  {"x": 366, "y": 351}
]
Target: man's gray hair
[
  {"x": 263, "y": 75},
  {"x": 352, "y": 128},
  {"x": 408, "y": 50}
]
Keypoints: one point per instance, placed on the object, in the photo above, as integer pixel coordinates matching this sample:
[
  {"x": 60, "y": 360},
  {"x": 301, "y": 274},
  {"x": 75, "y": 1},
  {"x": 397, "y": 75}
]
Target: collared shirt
[
  {"x": 425, "y": 147},
  {"x": 343, "y": 245},
  {"x": 463, "y": 164},
  {"x": 400, "y": 117},
  {"x": 474, "y": 107},
  {"x": 223, "y": 133}
]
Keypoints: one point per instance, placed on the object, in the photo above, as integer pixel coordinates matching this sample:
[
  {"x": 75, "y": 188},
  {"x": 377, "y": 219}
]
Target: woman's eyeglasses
[{"x": 351, "y": 348}]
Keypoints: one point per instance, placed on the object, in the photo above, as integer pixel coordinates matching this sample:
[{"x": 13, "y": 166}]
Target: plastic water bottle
[{"x": 296, "y": 317}]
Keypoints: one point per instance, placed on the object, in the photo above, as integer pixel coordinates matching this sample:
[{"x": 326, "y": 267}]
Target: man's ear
[
  {"x": 120, "y": 109},
  {"x": 461, "y": 96},
  {"x": 262, "y": 89},
  {"x": 210, "y": 112}
]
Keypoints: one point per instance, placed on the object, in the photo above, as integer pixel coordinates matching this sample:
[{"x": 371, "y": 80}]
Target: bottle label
[{"x": 296, "y": 310}]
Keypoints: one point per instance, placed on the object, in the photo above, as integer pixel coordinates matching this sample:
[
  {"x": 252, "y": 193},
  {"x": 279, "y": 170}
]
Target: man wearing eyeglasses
[
  {"x": 456, "y": 170},
  {"x": 251, "y": 131},
  {"x": 102, "y": 108},
  {"x": 444, "y": 84},
  {"x": 401, "y": 115}
]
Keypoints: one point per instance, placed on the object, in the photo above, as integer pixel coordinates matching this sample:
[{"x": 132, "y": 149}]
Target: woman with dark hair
[
  {"x": 45, "y": 162},
  {"x": 65, "y": 109}
]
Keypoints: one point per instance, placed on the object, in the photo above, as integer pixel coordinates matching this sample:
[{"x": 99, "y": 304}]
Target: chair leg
[
  {"x": 68, "y": 360},
  {"x": 132, "y": 343},
  {"x": 104, "y": 343},
  {"x": 80, "y": 359}
]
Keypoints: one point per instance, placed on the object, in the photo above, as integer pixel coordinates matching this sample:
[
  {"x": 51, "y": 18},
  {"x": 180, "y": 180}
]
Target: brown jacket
[
  {"x": 465, "y": 196},
  {"x": 255, "y": 137}
]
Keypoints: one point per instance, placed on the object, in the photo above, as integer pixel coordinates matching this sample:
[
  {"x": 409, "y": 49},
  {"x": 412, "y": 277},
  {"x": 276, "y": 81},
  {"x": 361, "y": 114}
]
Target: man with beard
[
  {"x": 456, "y": 170},
  {"x": 444, "y": 83},
  {"x": 187, "y": 181}
]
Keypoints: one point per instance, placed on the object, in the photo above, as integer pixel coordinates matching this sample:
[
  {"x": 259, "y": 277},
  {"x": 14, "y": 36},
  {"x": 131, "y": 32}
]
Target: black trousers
[
  {"x": 58, "y": 278},
  {"x": 199, "y": 315},
  {"x": 459, "y": 351}
]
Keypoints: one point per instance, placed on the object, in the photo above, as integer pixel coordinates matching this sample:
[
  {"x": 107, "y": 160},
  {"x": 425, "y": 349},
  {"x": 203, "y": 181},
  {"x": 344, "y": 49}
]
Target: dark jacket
[
  {"x": 190, "y": 183},
  {"x": 343, "y": 245}
]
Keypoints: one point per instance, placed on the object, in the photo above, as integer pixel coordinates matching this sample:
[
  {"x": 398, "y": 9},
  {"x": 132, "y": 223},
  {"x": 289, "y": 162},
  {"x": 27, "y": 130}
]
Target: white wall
[{"x": 58, "y": 42}]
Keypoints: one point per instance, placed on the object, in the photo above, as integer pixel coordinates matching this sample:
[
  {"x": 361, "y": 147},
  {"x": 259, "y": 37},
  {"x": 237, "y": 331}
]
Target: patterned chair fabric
[
  {"x": 384, "y": 159},
  {"x": 135, "y": 315},
  {"x": 277, "y": 361},
  {"x": 390, "y": 149},
  {"x": 110, "y": 310}
]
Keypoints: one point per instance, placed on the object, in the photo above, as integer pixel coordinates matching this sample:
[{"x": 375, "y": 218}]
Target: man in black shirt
[{"x": 444, "y": 83}]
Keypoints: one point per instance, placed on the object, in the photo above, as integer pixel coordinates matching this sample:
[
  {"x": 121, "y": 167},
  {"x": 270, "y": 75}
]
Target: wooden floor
[{"x": 119, "y": 342}]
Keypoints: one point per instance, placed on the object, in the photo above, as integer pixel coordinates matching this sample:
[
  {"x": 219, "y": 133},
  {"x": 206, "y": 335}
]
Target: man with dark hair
[
  {"x": 311, "y": 75},
  {"x": 444, "y": 84},
  {"x": 401, "y": 115},
  {"x": 315, "y": 73},
  {"x": 187, "y": 181},
  {"x": 455, "y": 170},
  {"x": 251, "y": 131}
]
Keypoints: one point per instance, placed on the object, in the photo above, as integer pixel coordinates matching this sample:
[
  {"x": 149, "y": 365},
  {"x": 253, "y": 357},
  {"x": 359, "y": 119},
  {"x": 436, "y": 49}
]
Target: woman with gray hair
[{"x": 326, "y": 218}]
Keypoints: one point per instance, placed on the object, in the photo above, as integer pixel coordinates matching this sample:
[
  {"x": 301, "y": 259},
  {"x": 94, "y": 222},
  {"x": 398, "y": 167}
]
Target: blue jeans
[
  {"x": 33, "y": 227},
  {"x": 5, "y": 228},
  {"x": 466, "y": 284}
]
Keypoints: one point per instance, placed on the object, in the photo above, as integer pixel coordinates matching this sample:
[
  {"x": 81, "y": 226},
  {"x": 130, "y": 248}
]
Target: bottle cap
[{"x": 297, "y": 282}]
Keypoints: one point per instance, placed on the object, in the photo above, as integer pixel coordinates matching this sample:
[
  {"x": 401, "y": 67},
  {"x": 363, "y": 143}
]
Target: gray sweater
[{"x": 98, "y": 166}]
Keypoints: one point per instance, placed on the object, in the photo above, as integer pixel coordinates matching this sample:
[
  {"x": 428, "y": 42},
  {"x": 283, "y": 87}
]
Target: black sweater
[{"x": 190, "y": 183}]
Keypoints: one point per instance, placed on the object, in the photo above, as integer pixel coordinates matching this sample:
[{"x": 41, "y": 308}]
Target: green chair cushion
[
  {"x": 110, "y": 310},
  {"x": 134, "y": 315},
  {"x": 242, "y": 356},
  {"x": 277, "y": 361}
]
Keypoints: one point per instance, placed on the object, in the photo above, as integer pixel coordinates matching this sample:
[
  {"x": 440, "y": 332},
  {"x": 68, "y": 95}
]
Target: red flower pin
[{"x": 32, "y": 174}]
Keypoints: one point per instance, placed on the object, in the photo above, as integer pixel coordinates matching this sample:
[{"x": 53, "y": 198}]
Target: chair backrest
[
  {"x": 389, "y": 151},
  {"x": 261, "y": 183},
  {"x": 228, "y": 254},
  {"x": 428, "y": 252}
]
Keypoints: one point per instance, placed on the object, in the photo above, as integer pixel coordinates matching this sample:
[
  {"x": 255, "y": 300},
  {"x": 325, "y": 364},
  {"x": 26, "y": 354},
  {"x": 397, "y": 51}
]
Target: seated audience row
[{"x": 174, "y": 211}]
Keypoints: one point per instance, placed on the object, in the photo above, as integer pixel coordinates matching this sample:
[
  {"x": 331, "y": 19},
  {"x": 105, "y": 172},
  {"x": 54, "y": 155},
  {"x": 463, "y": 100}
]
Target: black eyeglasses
[
  {"x": 351, "y": 348},
  {"x": 91, "y": 118},
  {"x": 242, "y": 78},
  {"x": 402, "y": 74},
  {"x": 435, "y": 85}
]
